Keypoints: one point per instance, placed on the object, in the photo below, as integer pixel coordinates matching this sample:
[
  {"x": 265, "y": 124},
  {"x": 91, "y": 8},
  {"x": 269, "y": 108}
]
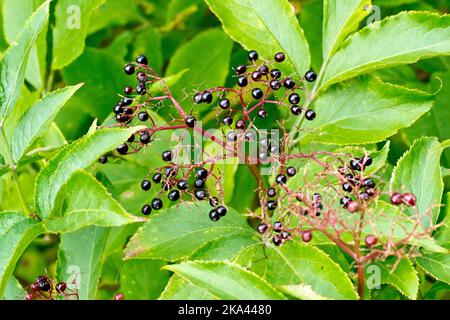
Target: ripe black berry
[
  {"x": 190, "y": 121},
  {"x": 199, "y": 183},
  {"x": 129, "y": 69},
  {"x": 141, "y": 77},
  {"x": 253, "y": 55},
  {"x": 278, "y": 226},
  {"x": 240, "y": 124},
  {"x": 345, "y": 200},
  {"x": 257, "y": 93},
  {"x": 214, "y": 202},
  {"x": 294, "y": 98},
  {"x": 167, "y": 156},
  {"x": 364, "y": 196},
  {"x": 157, "y": 177},
  {"x": 143, "y": 116},
  {"x": 103, "y": 159},
  {"x": 280, "y": 57},
  {"x": 242, "y": 81},
  {"x": 232, "y": 136},
  {"x": 146, "y": 185},
  {"x": 202, "y": 173},
  {"x": 368, "y": 183},
  {"x": 146, "y": 210},
  {"x": 272, "y": 205},
  {"x": 291, "y": 171},
  {"x": 347, "y": 187},
  {"x": 264, "y": 70},
  {"x": 207, "y": 97},
  {"x": 262, "y": 228},
  {"x": 201, "y": 194},
  {"x": 262, "y": 113},
  {"x": 122, "y": 149},
  {"x": 170, "y": 172},
  {"x": 241, "y": 69},
  {"x": 222, "y": 211},
  {"x": 228, "y": 121},
  {"x": 157, "y": 204},
  {"x": 355, "y": 165},
  {"x": 198, "y": 98},
  {"x": 286, "y": 235},
  {"x": 123, "y": 118},
  {"x": 310, "y": 115},
  {"x": 367, "y": 161},
  {"x": 275, "y": 84},
  {"x": 145, "y": 138},
  {"x": 277, "y": 240},
  {"x": 142, "y": 59},
  {"x": 296, "y": 110},
  {"x": 311, "y": 76},
  {"x": 174, "y": 195},
  {"x": 224, "y": 104},
  {"x": 256, "y": 75},
  {"x": 118, "y": 108},
  {"x": 281, "y": 179},
  {"x": 271, "y": 192},
  {"x": 214, "y": 215},
  {"x": 182, "y": 185},
  {"x": 126, "y": 101},
  {"x": 61, "y": 287},
  {"x": 128, "y": 90},
  {"x": 275, "y": 74},
  {"x": 44, "y": 285},
  {"x": 289, "y": 83}
]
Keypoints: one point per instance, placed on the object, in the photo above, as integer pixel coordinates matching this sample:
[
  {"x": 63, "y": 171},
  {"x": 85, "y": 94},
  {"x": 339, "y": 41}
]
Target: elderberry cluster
[{"x": 44, "y": 288}]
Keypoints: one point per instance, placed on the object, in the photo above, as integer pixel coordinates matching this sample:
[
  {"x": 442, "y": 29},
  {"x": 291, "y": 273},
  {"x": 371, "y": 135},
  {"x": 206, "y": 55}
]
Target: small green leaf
[
  {"x": 401, "y": 39},
  {"x": 180, "y": 289},
  {"x": 71, "y": 26},
  {"x": 17, "y": 231},
  {"x": 14, "y": 290},
  {"x": 15, "y": 60},
  {"x": 179, "y": 232},
  {"x": 419, "y": 172},
  {"x": 76, "y": 156},
  {"x": 437, "y": 265},
  {"x": 268, "y": 26},
  {"x": 301, "y": 269},
  {"x": 36, "y": 121},
  {"x": 226, "y": 281},
  {"x": 351, "y": 113}
]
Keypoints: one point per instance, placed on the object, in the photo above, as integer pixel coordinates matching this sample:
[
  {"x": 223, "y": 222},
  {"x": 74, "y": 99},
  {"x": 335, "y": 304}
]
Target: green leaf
[
  {"x": 88, "y": 203},
  {"x": 17, "y": 231},
  {"x": 226, "y": 281},
  {"x": 299, "y": 269},
  {"x": 180, "y": 231},
  {"x": 14, "y": 290},
  {"x": 15, "y": 60},
  {"x": 71, "y": 26},
  {"x": 180, "y": 289},
  {"x": 340, "y": 20},
  {"x": 403, "y": 277},
  {"x": 401, "y": 39},
  {"x": 36, "y": 122},
  {"x": 76, "y": 156},
  {"x": 351, "y": 113},
  {"x": 437, "y": 265},
  {"x": 143, "y": 279},
  {"x": 419, "y": 172},
  {"x": 268, "y": 26}
]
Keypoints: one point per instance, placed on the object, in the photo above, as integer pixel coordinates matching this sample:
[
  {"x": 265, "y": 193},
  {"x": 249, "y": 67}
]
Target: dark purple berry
[
  {"x": 146, "y": 210},
  {"x": 294, "y": 98},
  {"x": 347, "y": 187},
  {"x": 146, "y": 185},
  {"x": 257, "y": 93},
  {"x": 129, "y": 69},
  {"x": 281, "y": 179},
  {"x": 291, "y": 171},
  {"x": 214, "y": 202},
  {"x": 167, "y": 156},
  {"x": 310, "y": 115},
  {"x": 126, "y": 102},
  {"x": 275, "y": 74},
  {"x": 241, "y": 69},
  {"x": 310, "y": 76},
  {"x": 201, "y": 194},
  {"x": 122, "y": 149},
  {"x": 207, "y": 97},
  {"x": 280, "y": 57},
  {"x": 289, "y": 83},
  {"x": 240, "y": 124},
  {"x": 368, "y": 183},
  {"x": 242, "y": 81},
  {"x": 198, "y": 98},
  {"x": 253, "y": 55},
  {"x": 157, "y": 177},
  {"x": 224, "y": 104},
  {"x": 271, "y": 192},
  {"x": 296, "y": 110},
  {"x": 128, "y": 90},
  {"x": 264, "y": 70},
  {"x": 222, "y": 211},
  {"x": 103, "y": 159},
  {"x": 228, "y": 121},
  {"x": 214, "y": 215},
  {"x": 277, "y": 240},
  {"x": 278, "y": 226},
  {"x": 141, "y": 77},
  {"x": 262, "y": 113},
  {"x": 202, "y": 173},
  {"x": 143, "y": 116},
  {"x": 44, "y": 285},
  {"x": 190, "y": 122},
  {"x": 141, "y": 59},
  {"x": 157, "y": 204},
  {"x": 182, "y": 185},
  {"x": 199, "y": 183},
  {"x": 262, "y": 228},
  {"x": 232, "y": 136},
  {"x": 61, "y": 287},
  {"x": 272, "y": 205},
  {"x": 286, "y": 235},
  {"x": 275, "y": 84},
  {"x": 174, "y": 195},
  {"x": 256, "y": 75},
  {"x": 345, "y": 200}
]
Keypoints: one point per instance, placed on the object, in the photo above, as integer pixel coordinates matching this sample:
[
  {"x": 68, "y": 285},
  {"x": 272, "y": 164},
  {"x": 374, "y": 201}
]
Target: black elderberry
[
  {"x": 257, "y": 93},
  {"x": 129, "y": 69},
  {"x": 202, "y": 173},
  {"x": 311, "y": 76},
  {"x": 146, "y": 210},
  {"x": 123, "y": 118},
  {"x": 190, "y": 121},
  {"x": 310, "y": 115},
  {"x": 271, "y": 192},
  {"x": 126, "y": 101},
  {"x": 294, "y": 98},
  {"x": 278, "y": 226},
  {"x": 170, "y": 172},
  {"x": 262, "y": 228},
  {"x": 224, "y": 104},
  {"x": 280, "y": 57},
  {"x": 214, "y": 202},
  {"x": 142, "y": 60},
  {"x": 364, "y": 196},
  {"x": 228, "y": 121},
  {"x": 289, "y": 83},
  {"x": 167, "y": 156},
  {"x": 198, "y": 98},
  {"x": 291, "y": 171},
  {"x": 61, "y": 287},
  {"x": 146, "y": 185},
  {"x": 201, "y": 194},
  {"x": 256, "y": 75},
  {"x": 275, "y": 84},
  {"x": 277, "y": 240},
  {"x": 118, "y": 109},
  {"x": 240, "y": 124},
  {"x": 253, "y": 55},
  {"x": 44, "y": 285},
  {"x": 347, "y": 187},
  {"x": 275, "y": 74},
  {"x": 103, "y": 159},
  {"x": 222, "y": 211},
  {"x": 232, "y": 136},
  {"x": 355, "y": 165},
  {"x": 182, "y": 185},
  {"x": 272, "y": 205},
  {"x": 214, "y": 215},
  {"x": 296, "y": 110},
  {"x": 143, "y": 116},
  {"x": 345, "y": 201},
  {"x": 281, "y": 179},
  {"x": 157, "y": 204},
  {"x": 207, "y": 97},
  {"x": 141, "y": 77},
  {"x": 368, "y": 183},
  {"x": 367, "y": 161},
  {"x": 166, "y": 186},
  {"x": 242, "y": 81},
  {"x": 371, "y": 192},
  {"x": 286, "y": 235},
  {"x": 128, "y": 90},
  {"x": 241, "y": 69},
  {"x": 199, "y": 183},
  {"x": 264, "y": 70},
  {"x": 128, "y": 111},
  {"x": 157, "y": 177},
  {"x": 122, "y": 149},
  {"x": 174, "y": 195},
  {"x": 141, "y": 89},
  {"x": 262, "y": 113}
]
